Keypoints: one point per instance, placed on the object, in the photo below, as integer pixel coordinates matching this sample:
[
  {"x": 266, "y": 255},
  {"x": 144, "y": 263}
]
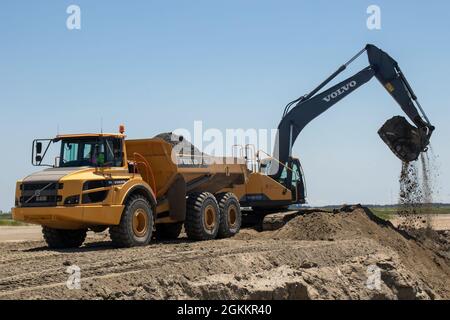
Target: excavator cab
[
  {"x": 292, "y": 178},
  {"x": 298, "y": 186}
]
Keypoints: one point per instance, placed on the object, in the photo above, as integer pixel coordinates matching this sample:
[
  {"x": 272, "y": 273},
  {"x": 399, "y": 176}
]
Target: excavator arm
[{"x": 405, "y": 140}]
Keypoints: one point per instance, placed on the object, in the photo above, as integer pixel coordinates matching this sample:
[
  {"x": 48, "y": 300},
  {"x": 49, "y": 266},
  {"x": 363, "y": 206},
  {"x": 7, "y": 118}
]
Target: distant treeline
[
  {"x": 5, "y": 215},
  {"x": 386, "y": 206},
  {"x": 435, "y": 205}
]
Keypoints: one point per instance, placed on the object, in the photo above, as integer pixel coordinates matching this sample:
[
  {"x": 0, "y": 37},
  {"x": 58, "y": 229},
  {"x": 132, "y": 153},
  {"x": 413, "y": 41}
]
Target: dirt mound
[
  {"x": 315, "y": 282},
  {"x": 435, "y": 241},
  {"x": 424, "y": 252},
  {"x": 328, "y": 226}
]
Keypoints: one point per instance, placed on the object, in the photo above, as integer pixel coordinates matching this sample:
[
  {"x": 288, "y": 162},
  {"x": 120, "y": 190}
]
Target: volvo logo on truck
[{"x": 340, "y": 91}]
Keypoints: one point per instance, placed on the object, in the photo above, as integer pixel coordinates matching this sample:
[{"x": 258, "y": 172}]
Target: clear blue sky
[{"x": 160, "y": 65}]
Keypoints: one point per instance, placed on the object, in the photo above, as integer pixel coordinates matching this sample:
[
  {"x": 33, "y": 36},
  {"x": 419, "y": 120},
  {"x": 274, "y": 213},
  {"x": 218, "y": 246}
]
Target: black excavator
[{"x": 405, "y": 140}]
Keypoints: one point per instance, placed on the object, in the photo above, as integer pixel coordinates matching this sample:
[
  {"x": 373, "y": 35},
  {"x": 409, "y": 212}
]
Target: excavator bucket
[{"x": 405, "y": 140}]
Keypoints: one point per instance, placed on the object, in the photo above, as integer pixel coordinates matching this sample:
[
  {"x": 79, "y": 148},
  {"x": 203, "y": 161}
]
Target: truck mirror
[
  {"x": 38, "y": 159},
  {"x": 38, "y": 148}
]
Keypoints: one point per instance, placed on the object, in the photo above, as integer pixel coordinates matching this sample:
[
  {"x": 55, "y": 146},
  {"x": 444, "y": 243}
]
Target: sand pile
[
  {"x": 424, "y": 252},
  {"x": 331, "y": 226},
  {"x": 185, "y": 146}
]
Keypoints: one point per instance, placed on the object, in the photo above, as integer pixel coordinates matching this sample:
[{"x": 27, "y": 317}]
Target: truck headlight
[{"x": 72, "y": 200}]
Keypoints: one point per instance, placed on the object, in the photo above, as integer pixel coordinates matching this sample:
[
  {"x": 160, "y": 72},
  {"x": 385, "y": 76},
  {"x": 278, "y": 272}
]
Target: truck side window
[
  {"x": 87, "y": 152},
  {"x": 70, "y": 152},
  {"x": 114, "y": 152}
]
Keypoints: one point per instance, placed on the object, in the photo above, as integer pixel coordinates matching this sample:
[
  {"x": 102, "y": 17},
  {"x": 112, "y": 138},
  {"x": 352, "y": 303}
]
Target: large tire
[
  {"x": 168, "y": 231},
  {"x": 61, "y": 239},
  {"x": 136, "y": 224},
  {"x": 202, "y": 216},
  {"x": 230, "y": 215}
]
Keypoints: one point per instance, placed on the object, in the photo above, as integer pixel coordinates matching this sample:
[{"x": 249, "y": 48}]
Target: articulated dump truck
[
  {"x": 139, "y": 189},
  {"x": 133, "y": 187}
]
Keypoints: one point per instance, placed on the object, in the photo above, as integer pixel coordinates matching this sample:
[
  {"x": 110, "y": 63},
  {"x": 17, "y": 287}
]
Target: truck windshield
[{"x": 92, "y": 152}]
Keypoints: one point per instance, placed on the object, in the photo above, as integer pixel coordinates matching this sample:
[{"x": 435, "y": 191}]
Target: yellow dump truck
[{"x": 139, "y": 189}]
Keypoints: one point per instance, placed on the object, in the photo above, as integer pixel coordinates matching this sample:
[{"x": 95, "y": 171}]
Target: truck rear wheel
[
  {"x": 168, "y": 231},
  {"x": 230, "y": 215},
  {"x": 202, "y": 216},
  {"x": 60, "y": 239},
  {"x": 136, "y": 224}
]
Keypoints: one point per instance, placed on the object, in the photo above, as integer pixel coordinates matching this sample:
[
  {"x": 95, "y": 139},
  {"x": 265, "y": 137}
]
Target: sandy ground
[
  {"x": 437, "y": 222},
  {"x": 19, "y": 233},
  {"x": 351, "y": 255}
]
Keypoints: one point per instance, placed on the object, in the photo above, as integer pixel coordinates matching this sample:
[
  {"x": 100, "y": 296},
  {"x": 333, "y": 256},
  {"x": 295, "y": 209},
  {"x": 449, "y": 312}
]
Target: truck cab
[
  {"x": 134, "y": 188},
  {"x": 86, "y": 185},
  {"x": 84, "y": 170}
]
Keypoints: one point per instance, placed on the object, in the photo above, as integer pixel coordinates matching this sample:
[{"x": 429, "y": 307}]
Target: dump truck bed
[{"x": 199, "y": 171}]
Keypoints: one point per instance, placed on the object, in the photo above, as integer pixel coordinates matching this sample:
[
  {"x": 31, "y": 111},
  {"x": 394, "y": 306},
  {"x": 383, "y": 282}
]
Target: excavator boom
[{"x": 405, "y": 140}]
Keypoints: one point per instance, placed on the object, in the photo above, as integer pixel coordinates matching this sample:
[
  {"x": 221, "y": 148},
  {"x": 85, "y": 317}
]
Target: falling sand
[{"x": 416, "y": 192}]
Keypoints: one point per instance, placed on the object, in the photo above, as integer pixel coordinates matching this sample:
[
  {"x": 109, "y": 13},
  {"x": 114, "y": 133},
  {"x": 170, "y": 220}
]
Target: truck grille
[
  {"x": 39, "y": 186},
  {"x": 39, "y": 194}
]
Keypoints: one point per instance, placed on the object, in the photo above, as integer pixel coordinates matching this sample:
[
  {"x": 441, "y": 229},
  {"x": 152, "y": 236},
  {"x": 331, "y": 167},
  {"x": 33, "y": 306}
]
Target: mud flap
[
  {"x": 177, "y": 199},
  {"x": 404, "y": 140}
]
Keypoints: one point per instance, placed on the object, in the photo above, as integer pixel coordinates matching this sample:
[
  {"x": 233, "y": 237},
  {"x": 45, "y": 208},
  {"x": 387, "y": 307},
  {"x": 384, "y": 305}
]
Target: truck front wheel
[
  {"x": 136, "y": 224},
  {"x": 202, "y": 216},
  {"x": 230, "y": 215},
  {"x": 61, "y": 239}
]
